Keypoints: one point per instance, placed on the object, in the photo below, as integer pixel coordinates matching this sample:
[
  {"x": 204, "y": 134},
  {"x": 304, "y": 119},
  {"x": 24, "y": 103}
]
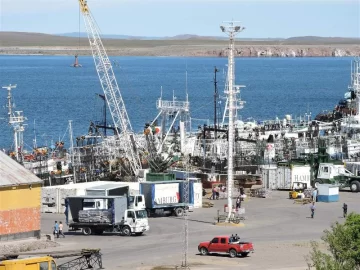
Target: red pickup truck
[{"x": 226, "y": 244}]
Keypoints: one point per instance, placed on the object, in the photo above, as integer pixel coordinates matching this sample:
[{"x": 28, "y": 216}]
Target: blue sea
[{"x": 50, "y": 92}]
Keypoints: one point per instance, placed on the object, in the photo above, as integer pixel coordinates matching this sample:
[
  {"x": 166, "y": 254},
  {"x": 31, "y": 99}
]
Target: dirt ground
[{"x": 280, "y": 230}]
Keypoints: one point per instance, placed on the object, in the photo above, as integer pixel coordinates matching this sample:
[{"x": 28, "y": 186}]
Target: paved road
[{"x": 275, "y": 225}]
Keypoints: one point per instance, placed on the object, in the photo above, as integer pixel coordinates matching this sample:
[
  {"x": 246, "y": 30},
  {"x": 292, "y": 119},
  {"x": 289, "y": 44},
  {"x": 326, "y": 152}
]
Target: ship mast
[
  {"x": 16, "y": 120},
  {"x": 231, "y": 30},
  {"x": 355, "y": 85}
]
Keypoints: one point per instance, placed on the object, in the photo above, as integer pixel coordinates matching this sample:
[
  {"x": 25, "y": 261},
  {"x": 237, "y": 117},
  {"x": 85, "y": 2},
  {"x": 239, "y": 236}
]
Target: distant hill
[
  {"x": 177, "y": 37},
  {"x": 14, "y": 39},
  {"x": 322, "y": 39}
]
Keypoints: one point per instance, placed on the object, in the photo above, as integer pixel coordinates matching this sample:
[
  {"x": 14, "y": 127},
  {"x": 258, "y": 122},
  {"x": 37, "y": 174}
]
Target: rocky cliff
[{"x": 199, "y": 51}]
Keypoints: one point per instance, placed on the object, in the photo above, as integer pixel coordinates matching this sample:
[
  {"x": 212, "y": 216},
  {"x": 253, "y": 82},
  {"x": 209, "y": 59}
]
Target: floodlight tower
[{"x": 231, "y": 29}]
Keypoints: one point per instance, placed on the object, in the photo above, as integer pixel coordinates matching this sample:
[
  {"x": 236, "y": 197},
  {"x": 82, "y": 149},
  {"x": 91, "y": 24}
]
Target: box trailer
[{"x": 163, "y": 198}]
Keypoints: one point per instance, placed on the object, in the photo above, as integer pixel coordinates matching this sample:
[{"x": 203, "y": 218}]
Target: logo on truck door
[{"x": 166, "y": 194}]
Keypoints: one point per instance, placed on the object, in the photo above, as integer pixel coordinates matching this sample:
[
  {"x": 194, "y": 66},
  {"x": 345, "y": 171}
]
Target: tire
[
  {"x": 179, "y": 212},
  {"x": 316, "y": 183},
  {"x": 86, "y": 231},
  {"x": 236, "y": 220},
  {"x": 244, "y": 254},
  {"x": 355, "y": 186},
  {"x": 204, "y": 251},
  {"x": 232, "y": 253},
  {"x": 126, "y": 231},
  {"x": 138, "y": 233}
]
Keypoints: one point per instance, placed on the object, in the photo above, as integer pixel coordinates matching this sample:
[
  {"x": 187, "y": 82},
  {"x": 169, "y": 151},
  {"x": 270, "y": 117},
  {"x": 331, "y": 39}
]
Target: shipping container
[
  {"x": 53, "y": 197},
  {"x": 112, "y": 189},
  {"x": 153, "y": 177},
  {"x": 283, "y": 177}
]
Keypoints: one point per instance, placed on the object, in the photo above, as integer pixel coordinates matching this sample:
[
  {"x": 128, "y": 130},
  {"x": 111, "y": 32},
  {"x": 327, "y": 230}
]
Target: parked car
[{"x": 226, "y": 244}]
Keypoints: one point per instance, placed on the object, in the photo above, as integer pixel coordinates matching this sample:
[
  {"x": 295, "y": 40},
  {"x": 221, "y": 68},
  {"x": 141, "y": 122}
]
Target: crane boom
[{"x": 111, "y": 89}]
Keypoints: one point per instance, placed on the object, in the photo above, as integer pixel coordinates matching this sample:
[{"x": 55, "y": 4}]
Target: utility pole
[
  {"x": 185, "y": 264},
  {"x": 231, "y": 30},
  {"x": 215, "y": 102}
]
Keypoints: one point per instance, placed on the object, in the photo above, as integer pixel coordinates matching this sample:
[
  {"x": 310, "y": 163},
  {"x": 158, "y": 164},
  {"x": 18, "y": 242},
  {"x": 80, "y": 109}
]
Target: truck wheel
[
  {"x": 355, "y": 186},
  {"x": 126, "y": 231},
  {"x": 316, "y": 183},
  {"x": 179, "y": 212},
  {"x": 204, "y": 251},
  {"x": 244, "y": 254},
  {"x": 86, "y": 231},
  {"x": 232, "y": 253}
]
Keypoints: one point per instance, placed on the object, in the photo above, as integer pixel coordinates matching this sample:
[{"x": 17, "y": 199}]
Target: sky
[{"x": 262, "y": 19}]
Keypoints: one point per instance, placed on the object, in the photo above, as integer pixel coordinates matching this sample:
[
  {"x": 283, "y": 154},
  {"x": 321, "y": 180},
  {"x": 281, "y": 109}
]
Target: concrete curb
[{"x": 229, "y": 224}]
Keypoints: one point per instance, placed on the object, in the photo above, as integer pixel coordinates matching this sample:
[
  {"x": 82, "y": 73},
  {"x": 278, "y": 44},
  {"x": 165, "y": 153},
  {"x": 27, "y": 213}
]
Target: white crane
[{"x": 111, "y": 89}]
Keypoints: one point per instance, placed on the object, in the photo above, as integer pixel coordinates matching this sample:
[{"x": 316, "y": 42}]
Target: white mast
[
  {"x": 16, "y": 120},
  {"x": 231, "y": 29},
  {"x": 72, "y": 148},
  {"x": 355, "y": 86}
]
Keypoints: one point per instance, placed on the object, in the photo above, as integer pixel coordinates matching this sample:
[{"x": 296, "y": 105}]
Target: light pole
[{"x": 231, "y": 29}]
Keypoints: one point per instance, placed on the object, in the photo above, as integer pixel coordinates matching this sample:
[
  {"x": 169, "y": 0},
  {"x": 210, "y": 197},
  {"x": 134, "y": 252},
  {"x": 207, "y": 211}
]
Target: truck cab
[
  {"x": 137, "y": 221},
  {"x": 328, "y": 173},
  {"x": 136, "y": 202}
]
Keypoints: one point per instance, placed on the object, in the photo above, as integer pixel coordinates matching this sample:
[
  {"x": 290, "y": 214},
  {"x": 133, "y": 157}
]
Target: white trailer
[
  {"x": 283, "y": 177},
  {"x": 53, "y": 197}
]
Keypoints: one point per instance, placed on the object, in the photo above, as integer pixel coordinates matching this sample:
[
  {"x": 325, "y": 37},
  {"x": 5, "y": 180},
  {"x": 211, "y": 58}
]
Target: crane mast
[{"x": 111, "y": 89}]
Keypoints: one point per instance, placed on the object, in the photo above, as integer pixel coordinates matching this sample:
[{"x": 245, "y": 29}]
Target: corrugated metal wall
[{"x": 20, "y": 211}]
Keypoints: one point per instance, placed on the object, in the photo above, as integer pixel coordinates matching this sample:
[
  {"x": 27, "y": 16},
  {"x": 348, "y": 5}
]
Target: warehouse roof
[{"x": 13, "y": 174}]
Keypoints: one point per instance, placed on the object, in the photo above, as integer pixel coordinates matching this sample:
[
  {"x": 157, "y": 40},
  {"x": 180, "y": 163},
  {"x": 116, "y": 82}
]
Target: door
[
  {"x": 214, "y": 245},
  {"x": 223, "y": 245},
  {"x": 130, "y": 218},
  {"x": 139, "y": 202}
]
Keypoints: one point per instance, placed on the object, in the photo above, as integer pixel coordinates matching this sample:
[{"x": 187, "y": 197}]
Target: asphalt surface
[{"x": 279, "y": 229}]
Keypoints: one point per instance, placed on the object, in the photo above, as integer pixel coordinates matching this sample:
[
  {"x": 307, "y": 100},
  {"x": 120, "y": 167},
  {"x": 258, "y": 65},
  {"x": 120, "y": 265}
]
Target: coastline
[{"x": 182, "y": 50}]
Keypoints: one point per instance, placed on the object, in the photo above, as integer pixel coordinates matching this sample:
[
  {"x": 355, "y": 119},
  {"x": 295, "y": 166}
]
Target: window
[
  {"x": 131, "y": 199},
  {"x": 88, "y": 204},
  {"x": 215, "y": 241},
  {"x": 53, "y": 265},
  {"x": 139, "y": 199},
  {"x": 223, "y": 241},
  {"x": 141, "y": 214},
  {"x": 130, "y": 214},
  {"x": 44, "y": 266},
  {"x": 326, "y": 169}
]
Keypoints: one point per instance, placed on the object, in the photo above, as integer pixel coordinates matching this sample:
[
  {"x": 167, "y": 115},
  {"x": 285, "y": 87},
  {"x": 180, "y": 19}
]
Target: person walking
[
  {"x": 214, "y": 193},
  {"x": 344, "y": 210},
  {"x": 314, "y": 195},
  {"x": 61, "y": 229},
  {"x": 56, "y": 229},
  {"x": 238, "y": 203},
  {"x": 312, "y": 208}
]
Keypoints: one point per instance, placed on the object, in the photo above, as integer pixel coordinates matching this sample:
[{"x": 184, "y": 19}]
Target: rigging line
[{"x": 79, "y": 29}]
